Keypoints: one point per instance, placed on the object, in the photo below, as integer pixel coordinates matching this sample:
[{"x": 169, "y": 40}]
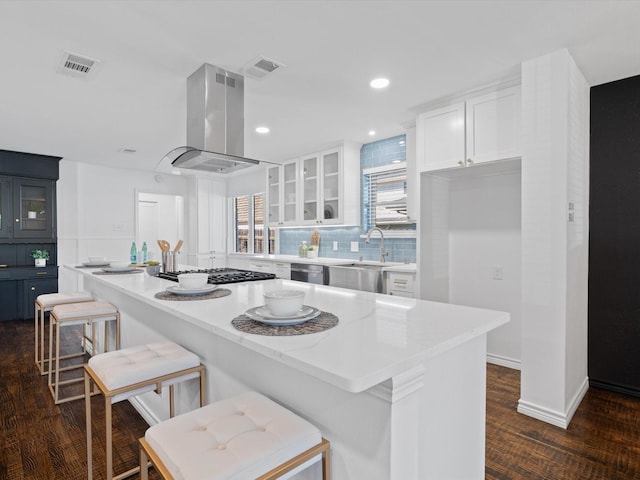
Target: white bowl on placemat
[
  {"x": 283, "y": 302},
  {"x": 119, "y": 265},
  {"x": 193, "y": 280}
]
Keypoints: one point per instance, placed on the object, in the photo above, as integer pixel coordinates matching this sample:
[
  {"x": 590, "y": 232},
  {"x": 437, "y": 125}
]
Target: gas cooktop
[{"x": 222, "y": 275}]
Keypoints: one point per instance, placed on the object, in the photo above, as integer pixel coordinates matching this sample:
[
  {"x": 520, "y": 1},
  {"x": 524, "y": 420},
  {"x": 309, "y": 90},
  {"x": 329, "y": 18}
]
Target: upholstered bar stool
[
  {"x": 244, "y": 437},
  {"x": 85, "y": 314},
  {"x": 43, "y": 304},
  {"x": 122, "y": 374}
]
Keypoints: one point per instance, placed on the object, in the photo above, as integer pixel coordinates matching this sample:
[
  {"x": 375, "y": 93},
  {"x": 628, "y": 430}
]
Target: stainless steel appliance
[
  {"x": 310, "y": 273},
  {"x": 222, "y": 275}
]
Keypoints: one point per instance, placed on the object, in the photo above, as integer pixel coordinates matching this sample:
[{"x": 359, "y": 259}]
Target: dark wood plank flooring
[{"x": 39, "y": 440}]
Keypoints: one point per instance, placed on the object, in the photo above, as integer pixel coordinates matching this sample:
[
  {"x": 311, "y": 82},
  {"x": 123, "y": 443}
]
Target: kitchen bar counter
[{"x": 398, "y": 386}]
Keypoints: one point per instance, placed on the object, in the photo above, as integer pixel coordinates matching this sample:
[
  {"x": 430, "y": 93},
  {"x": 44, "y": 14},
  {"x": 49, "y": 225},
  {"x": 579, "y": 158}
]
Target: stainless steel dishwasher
[{"x": 310, "y": 273}]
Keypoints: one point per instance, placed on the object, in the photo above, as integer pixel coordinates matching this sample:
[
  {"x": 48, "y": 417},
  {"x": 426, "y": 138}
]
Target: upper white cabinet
[
  {"x": 282, "y": 185},
  {"x": 207, "y": 224},
  {"x": 484, "y": 128},
  {"x": 318, "y": 195}
]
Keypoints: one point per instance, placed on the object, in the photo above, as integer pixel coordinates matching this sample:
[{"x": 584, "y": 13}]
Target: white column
[{"x": 555, "y": 188}]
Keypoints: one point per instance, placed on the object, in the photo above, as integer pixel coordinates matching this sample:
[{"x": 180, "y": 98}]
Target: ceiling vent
[
  {"x": 77, "y": 65},
  {"x": 261, "y": 66}
]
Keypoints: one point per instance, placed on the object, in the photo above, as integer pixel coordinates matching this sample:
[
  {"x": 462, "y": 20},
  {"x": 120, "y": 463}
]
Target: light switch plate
[{"x": 354, "y": 247}]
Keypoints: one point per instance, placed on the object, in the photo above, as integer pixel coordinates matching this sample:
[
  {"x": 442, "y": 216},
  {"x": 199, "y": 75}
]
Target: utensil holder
[{"x": 169, "y": 263}]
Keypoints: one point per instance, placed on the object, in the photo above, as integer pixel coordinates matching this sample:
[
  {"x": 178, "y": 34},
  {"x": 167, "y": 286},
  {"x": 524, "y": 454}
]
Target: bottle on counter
[
  {"x": 144, "y": 252},
  {"x": 133, "y": 253},
  {"x": 302, "y": 250}
]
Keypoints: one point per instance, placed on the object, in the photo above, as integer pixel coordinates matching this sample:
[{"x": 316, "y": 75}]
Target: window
[
  {"x": 249, "y": 225},
  {"x": 385, "y": 191}
]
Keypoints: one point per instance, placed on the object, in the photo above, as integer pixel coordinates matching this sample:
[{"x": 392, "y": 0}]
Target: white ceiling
[{"x": 331, "y": 49}]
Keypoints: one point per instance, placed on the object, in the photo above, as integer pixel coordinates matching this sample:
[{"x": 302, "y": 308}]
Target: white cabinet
[
  {"x": 207, "y": 220},
  {"x": 282, "y": 185},
  {"x": 401, "y": 284},
  {"x": 318, "y": 195},
  {"x": 481, "y": 129}
]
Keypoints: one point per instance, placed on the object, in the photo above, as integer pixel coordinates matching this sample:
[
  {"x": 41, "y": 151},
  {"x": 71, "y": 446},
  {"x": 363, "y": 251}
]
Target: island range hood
[{"x": 215, "y": 123}]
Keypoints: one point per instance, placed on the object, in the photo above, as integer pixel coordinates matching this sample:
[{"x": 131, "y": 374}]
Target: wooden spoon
[{"x": 178, "y": 246}]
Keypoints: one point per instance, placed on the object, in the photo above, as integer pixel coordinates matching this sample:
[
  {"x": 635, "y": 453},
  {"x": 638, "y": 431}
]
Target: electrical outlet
[
  {"x": 335, "y": 246},
  {"x": 355, "y": 247}
]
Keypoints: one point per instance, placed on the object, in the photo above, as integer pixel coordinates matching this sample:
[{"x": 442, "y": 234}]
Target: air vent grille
[
  {"x": 262, "y": 66},
  {"x": 77, "y": 65}
]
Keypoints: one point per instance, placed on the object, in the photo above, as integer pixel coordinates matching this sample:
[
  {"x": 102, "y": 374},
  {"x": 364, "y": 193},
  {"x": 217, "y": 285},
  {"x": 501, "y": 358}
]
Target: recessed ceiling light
[
  {"x": 379, "y": 83},
  {"x": 372, "y": 133},
  {"x": 127, "y": 150},
  {"x": 262, "y": 130}
]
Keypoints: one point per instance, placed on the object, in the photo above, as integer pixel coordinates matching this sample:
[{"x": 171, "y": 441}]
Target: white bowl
[
  {"x": 97, "y": 259},
  {"x": 283, "y": 302},
  {"x": 118, "y": 264},
  {"x": 193, "y": 280}
]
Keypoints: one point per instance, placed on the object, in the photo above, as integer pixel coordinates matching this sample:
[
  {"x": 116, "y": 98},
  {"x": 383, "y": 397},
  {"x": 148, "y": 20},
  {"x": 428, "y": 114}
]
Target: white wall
[
  {"x": 96, "y": 211},
  {"x": 252, "y": 181},
  {"x": 484, "y": 235}
]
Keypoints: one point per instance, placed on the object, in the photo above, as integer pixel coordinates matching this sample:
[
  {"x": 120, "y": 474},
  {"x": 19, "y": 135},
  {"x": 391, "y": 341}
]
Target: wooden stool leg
[
  {"x": 109, "y": 446},
  {"x": 57, "y": 385},
  {"x": 87, "y": 405},
  {"x": 172, "y": 408},
  {"x": 37, "y": 343},
  {"x": 144, "y": 465},
  {"x": 326, "y": 463},
  {"x": 43, "y": 368},
  {"x": 202, "y": 397},
  {"x": 106, "y": 336}
]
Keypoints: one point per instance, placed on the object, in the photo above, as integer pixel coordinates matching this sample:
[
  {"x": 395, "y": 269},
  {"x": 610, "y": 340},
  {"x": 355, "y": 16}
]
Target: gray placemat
[
  {"x": 118, "y": 273},
  {"x": 322, "y": 322},
  {"x": 217, "y": 293}
]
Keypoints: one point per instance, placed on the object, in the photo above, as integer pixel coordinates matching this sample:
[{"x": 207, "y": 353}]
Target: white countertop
[
  {"x": 387, "y": 266},
  {"x": 377, "y": 337}
]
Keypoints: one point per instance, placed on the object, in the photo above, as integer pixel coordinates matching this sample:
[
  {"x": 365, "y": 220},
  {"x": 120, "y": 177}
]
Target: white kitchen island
[{"x": 397, "y": 387}]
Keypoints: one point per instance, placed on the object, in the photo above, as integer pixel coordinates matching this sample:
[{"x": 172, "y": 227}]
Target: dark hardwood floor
[{"x": 39, "y": 440}]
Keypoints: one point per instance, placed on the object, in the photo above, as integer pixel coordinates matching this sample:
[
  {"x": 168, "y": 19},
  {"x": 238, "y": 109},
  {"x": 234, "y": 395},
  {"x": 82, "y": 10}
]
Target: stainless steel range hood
[{"x": 215, "y": 123}]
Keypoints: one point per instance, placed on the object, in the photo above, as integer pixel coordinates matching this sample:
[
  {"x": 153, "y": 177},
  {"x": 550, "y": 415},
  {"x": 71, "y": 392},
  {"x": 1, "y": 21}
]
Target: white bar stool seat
[
  {"x": 45, "y": 303},
  {"x": 245, "y": 437},
  {"x": 85, "y": 314},
  {"x": 125, "y": 373}
]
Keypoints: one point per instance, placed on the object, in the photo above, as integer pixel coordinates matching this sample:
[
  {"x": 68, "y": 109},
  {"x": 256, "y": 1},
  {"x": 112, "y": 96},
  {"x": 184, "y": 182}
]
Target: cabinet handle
[
  {"x": 42, "y": 273},
  {"x": 460, "y": 162},
  {"x": 469, "y": 161},
  {"x": 400, "y": 282}
]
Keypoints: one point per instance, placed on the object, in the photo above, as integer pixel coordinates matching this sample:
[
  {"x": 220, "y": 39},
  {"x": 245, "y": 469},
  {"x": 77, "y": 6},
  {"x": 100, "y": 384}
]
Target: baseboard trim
[
  {"x": 554, "y": 417},
  {"x": 503, "y": 361},
  {"x": 144, "y": 412}
]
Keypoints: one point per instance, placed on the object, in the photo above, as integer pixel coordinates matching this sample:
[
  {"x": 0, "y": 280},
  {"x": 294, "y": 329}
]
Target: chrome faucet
[{"x": 383, "y": 254}]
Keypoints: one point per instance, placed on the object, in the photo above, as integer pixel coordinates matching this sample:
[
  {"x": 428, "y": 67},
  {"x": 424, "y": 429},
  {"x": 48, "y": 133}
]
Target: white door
[{"x": 148, "y": 227}]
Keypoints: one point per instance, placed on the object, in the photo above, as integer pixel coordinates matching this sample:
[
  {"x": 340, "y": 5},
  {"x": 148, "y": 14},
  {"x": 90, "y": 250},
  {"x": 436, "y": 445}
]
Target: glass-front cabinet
[
  {"x": 282, "y": 185},
  {"x": 321, "y": 174},
  {"x": 310, "y": 190},
  {"x": 5, "y": 207},
  {"x": 32, "y": 208}
]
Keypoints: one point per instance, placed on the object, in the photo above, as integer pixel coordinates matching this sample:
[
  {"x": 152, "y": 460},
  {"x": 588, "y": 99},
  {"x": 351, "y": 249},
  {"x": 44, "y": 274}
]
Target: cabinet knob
[
  {"x": 460, "y": 162},
  {"x": 33, "y": 289},
  {"x": 17, "y": 220},
  {"x": 469, "y": 161}
]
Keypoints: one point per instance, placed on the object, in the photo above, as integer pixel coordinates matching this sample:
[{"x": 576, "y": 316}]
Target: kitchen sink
[{"x": 358, "y": 276}]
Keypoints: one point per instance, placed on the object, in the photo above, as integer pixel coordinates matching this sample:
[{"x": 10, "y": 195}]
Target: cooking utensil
[{"x": 178, "y": 246}]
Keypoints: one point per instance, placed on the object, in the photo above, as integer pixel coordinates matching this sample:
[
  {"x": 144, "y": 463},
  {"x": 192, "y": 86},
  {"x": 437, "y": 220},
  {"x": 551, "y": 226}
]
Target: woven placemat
[
  {"x": 118, "y": 273},
  {"x": 322, "y": 322},
  {"x": 217, "y": 293}
]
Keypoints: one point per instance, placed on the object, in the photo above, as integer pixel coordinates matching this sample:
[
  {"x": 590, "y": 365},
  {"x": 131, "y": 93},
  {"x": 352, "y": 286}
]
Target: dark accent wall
[{"x": 614, "y": 238}]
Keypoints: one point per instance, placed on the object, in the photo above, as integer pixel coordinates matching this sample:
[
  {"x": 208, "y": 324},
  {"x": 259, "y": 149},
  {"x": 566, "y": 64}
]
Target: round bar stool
[
  {"x": 85, "y": 314},
  {"x": 247, "y": 436},
  {"x": 45, "y": 303},
  {"x": 125, "y": 373}
]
